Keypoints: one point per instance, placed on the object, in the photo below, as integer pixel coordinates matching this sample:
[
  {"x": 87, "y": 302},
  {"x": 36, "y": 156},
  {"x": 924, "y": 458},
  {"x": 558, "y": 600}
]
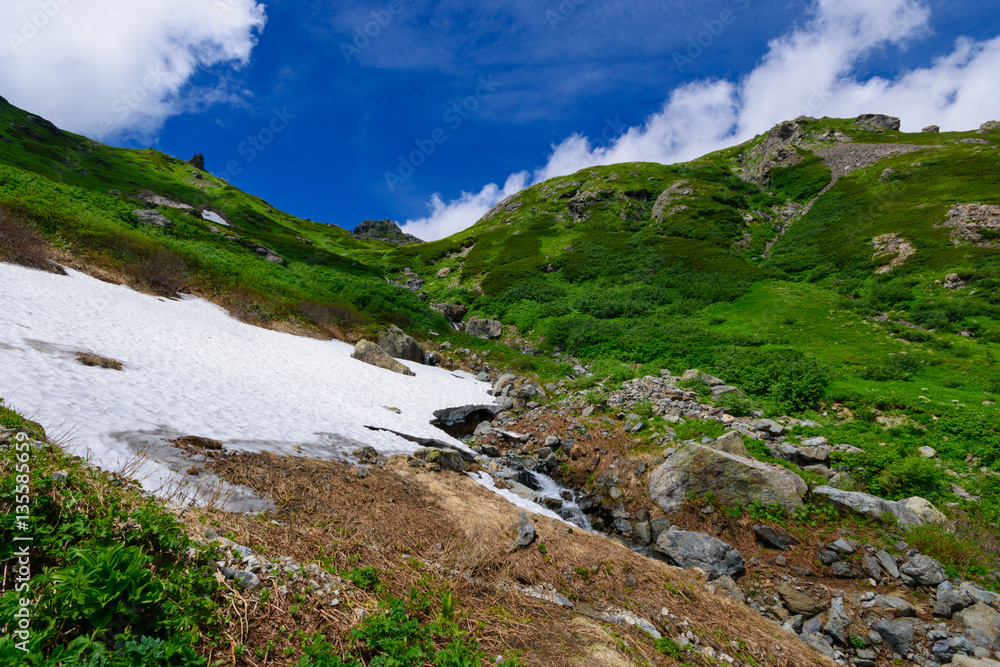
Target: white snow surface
[
  {"x": 191, "y": 369},
  {"x": 212, "y": 216}
]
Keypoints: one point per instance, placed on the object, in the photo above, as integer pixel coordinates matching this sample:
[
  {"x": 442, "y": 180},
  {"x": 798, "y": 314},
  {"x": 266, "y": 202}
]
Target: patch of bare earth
[{"x": 433, "y": 531}]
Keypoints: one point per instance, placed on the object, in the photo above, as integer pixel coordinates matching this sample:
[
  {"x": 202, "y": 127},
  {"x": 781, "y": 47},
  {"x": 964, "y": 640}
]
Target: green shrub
[
  {"x": 786, "y": 377},
  {"x": 895, "y": 367},
  {"x": 912, "y": 476}
]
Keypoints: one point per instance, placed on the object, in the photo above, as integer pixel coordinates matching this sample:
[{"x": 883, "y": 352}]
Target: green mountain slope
[
  {"x": 825, "y": 263},
  {"x": 81, "y": 194}
]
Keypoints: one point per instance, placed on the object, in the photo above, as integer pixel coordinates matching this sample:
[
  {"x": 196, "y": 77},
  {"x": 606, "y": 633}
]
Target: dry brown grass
[
  {"x": 22, "y": 243},
  {"x": 97, "y": 361},
  {"x": 434, "y": 531}
]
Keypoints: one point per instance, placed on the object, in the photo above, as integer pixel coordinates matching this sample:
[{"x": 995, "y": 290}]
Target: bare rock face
[
  {"x": 697, "y": 470},
  {"x": 198, "y": 162},
  {"x": 878, "y": 120},
  {"x": 933, "y": 129},
  {"x": 974, "y": 224},
  {"x": 152, "y": 218},
  {"x": 453, "y": 311},
  {"x": 508, "y": 205},
  {"x": 954, "y": 281},
  {"x": 775, "y": 152},
  {"x": 666, "y": 204},
  {"x": 894, "y": 246},
  {"x": 372, "y": 354}
]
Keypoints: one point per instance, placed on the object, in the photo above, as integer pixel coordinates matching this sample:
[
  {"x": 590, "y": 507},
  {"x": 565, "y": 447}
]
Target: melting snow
[{"x": 191, "y": 369}]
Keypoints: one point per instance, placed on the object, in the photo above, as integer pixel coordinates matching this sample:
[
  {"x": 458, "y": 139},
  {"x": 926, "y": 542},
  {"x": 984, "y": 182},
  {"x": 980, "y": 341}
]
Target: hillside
[
  {"x": 209, "y": 238},
  {"x": 740, "y": 411}
]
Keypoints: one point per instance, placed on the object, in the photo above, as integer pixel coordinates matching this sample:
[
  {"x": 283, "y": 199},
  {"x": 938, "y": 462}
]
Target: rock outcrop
[
  {"x": 383, "y": 230},
  {"x": 879, "y": 121},
  {"x": 974, "y": 224},
  {"x": 152, "y": 218}
]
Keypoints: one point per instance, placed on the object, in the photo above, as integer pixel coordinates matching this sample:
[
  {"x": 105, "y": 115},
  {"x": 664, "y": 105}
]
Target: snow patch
[
  {"x": 191, "y": 369},
  {"x": 212, "y": 216}
]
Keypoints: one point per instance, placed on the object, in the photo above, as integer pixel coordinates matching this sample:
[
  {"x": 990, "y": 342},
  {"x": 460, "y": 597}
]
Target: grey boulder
[
  {"x": 400, "y": 345},
  {"x": 983, "y": 620},
  {"x": 697, "y": 550},
  {"x": 866, "y": 504},
  {"x": 373, "y": 355},
  {"x": 924, "y": 570},
  {"x": 526, "y": 532},
  {"x": 878, "y": 120},
  {"x": 152, "y": 218},
  {"x": 695, "y": 470},
  {"x": 483, "y": 328},
  {"x": 898, "y": 635}
]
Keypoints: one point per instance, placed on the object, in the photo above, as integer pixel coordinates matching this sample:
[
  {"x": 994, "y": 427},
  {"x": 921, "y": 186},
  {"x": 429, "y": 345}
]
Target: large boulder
[
  {"x": 483, "y": 328},
  {"x": 925, "y": 510},
  {"x": 924, "y": 570},
  {"x": 400, "y": 345},
  {"x": 372, "y": 354},
  {"x": 898, "y": 635},
  {"x": 731, "y": 443},
  {"x": 866, "y": 505},
  {"x": 981, "y": 619},
  {"x": 879, "y": 121},
  {"x": 698, "y": 550},
  {"x": 696, "y": 470}
]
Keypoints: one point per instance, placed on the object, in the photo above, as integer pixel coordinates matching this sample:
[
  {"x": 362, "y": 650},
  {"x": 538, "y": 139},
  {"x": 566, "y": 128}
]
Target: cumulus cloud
[
  {"x": 445, "y": 219},
  {"x": 808, "y": 71},
  {"x": 118, "y": 68}
]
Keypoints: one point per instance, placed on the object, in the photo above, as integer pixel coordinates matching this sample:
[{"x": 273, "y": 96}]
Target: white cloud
[
  {"x": 448, "y": 218},
  {"x": 119, "y": 68},
  {"x": 808, "y": 71}
]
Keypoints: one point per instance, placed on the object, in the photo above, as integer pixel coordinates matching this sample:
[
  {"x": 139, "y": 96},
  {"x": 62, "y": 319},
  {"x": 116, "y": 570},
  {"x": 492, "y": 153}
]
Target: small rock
[
  {"x": 774, "y": 538},
  {"x": 798, "y": 602}
]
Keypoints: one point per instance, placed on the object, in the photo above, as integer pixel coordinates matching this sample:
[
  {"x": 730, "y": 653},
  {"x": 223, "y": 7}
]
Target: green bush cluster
[{"x": 786, "y": 377}]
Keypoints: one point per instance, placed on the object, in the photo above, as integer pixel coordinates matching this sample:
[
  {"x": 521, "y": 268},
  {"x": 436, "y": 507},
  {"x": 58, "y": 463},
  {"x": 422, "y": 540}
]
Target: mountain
[{"x": 767, "y": 377}]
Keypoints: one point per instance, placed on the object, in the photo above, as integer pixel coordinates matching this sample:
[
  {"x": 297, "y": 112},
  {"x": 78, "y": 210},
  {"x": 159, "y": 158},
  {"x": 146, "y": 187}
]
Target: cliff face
[{"x": 383, "y": 230}]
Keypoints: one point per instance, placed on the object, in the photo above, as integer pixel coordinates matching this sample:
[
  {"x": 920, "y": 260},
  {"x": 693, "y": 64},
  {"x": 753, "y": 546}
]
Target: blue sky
[{"x": 294, "y": 102}]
